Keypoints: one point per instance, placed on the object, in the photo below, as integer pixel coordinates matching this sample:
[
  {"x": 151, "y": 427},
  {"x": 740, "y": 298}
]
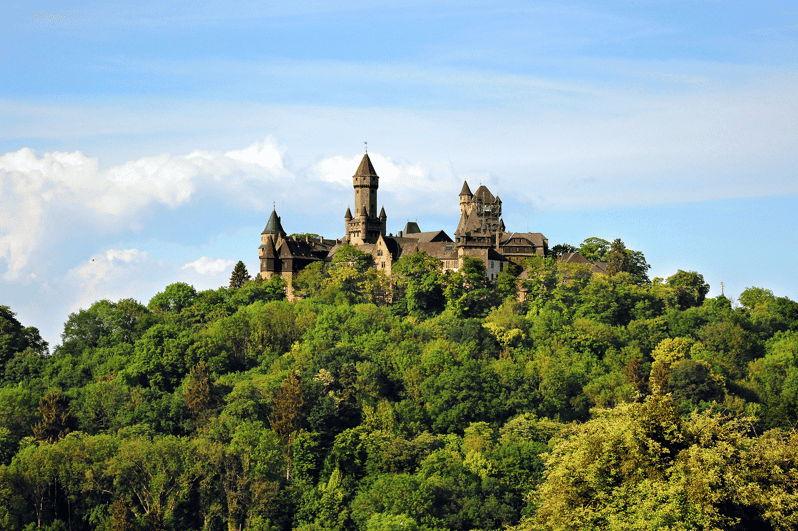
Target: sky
[{"x": 143, "y": 144}]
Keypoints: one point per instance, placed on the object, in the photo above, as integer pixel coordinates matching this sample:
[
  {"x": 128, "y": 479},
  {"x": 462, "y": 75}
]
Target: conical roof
[
  {"x": 363, "y": 212},
  {"x": 273, "y": 226},
  {"x": 466, "y": 190},
  {"x": 484, "y": 195},
  {"x": 348, "y": 214},
  {"x": 365, "y": 169},
  {"x": 383, "y": 215}
]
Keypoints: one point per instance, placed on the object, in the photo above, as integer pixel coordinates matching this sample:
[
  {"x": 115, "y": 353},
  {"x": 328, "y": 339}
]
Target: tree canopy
[{"x": 552, "y": 398}]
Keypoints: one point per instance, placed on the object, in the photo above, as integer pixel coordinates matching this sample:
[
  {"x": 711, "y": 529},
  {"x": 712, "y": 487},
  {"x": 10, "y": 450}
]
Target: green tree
[
  {"x": 173, "y": 299},
  {"x": 595, "y": 249},
  {"x": 618, "y": 258},
  {"x": 16, "y": 338},
  {"x": 641, "y": 466},
  {"x": 287, "y": 415},
  {"x": 419, "y": 279},
  {"x": 689, "y": 287},
  {"x": 240, "y": 276},
  {"x": 562, "y": 248}
]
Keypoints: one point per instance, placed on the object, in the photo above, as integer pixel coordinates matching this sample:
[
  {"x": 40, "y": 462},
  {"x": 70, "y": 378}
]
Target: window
[{"x": 379, "y": 253}]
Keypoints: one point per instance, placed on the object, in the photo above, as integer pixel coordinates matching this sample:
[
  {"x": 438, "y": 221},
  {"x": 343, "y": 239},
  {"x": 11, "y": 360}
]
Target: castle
[{"x": 481, "y": 234}]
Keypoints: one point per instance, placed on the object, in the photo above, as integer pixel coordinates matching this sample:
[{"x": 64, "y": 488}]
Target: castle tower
[
  {"x": 366, "y": 226},
  {"x": 271, "y": 239},
  {"x": 366, "y": 181},
  {"x": 465, "y": 200}
]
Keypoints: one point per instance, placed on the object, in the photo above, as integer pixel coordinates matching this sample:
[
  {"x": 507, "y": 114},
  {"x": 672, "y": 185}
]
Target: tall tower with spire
[{"x": 365, "y": 226}]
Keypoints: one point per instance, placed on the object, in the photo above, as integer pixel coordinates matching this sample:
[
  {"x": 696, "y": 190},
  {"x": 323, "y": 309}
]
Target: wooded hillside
[{"x": 441, "y": 402}]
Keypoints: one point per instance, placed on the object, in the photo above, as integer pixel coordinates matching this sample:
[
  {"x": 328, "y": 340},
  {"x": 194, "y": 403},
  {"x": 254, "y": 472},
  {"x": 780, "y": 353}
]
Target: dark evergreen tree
[{"x": 240, "y": 276}]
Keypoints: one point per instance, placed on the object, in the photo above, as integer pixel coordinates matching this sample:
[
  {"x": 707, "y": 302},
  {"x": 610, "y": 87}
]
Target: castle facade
[{"x": 480, "y": 233}]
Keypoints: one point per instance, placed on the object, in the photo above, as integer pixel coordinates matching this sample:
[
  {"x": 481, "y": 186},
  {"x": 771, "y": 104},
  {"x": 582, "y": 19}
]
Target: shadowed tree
[
  {"x": 56, "y": 415},
  {"x": 122, "y": 517},
  {"x": 286, "y": 416},
  {"x": 199, "y": 390}
]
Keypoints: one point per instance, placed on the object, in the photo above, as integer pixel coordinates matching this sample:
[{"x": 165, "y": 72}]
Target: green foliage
[
  {"x": 441, "y": 402},
  {"x": 641, "y": 466},
  {"x": 595, "y": 249},
  {"x": 419, "y": 279},
  {"x": 562, "y": 248},
  {"x": 173, "y": 299},
  {"x": 689, "y": 288}
]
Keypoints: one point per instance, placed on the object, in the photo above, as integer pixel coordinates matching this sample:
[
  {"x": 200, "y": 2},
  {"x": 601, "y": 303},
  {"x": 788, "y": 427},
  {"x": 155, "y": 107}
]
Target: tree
[
  {"x": 618, "y": 258},
  {"x": 15, "y": 339},
  {"x": 57, "y": 418},
  {"x": 418, "y": 277},
  {"x": 351, "y": 256},
  {"x": 595, "y": 249},
  {"x": 623, "y": 260},
  {"x": 562, "y": 248},
  {"x": 689, "y": 287},
  {"x": 173, "y": 299},
  {"x": 286, "y": 417},
  {"x": 641, "y": 466},
  {"x": 199, "y": 393},
  {"x": 240, "y": 276}
]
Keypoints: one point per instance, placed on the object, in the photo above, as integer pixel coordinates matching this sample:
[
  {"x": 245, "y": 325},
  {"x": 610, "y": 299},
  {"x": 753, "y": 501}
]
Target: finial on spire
[
  {"x": 274, "y": 206},
  {"x": 367, "y": 147}
]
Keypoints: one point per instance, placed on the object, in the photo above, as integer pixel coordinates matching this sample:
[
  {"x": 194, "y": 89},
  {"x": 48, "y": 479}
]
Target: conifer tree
[{"x": 240, "y": 275}]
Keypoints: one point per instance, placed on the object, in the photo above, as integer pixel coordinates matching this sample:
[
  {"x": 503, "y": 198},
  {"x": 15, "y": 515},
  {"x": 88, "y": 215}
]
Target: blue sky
[{"x": 144, "y": 144}]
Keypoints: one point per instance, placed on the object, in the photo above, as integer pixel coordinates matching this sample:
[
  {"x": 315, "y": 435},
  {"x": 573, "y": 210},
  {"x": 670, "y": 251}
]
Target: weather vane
[{"x": 367, "y": 146}]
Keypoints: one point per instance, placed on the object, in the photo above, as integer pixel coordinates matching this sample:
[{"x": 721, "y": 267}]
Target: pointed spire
[
  {"x": 273, "y": 226},
  {"x": 348, "y": 215},
  {"x": 466, "y": 190},
  {"x": 383, "y": 215},
  {"x": 363, "y": 212},
  {"x": 365, "y": 169}
]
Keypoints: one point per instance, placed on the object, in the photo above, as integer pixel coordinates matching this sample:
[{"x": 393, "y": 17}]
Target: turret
[
  {"x": 465, "y": 199},
  {"x": 383, "y": 221}
]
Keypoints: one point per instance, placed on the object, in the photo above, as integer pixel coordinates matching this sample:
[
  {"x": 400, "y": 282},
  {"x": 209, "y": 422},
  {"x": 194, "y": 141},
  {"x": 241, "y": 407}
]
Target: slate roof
[
  {"x": 348, "y": 214},
  {"x": 365, "y": 168},
  {"x": 411, "y": 228},
  {"x": 466, "y": 190},
  {"x": 434, "y": 236},
  {"x": 273, "y": 226}
]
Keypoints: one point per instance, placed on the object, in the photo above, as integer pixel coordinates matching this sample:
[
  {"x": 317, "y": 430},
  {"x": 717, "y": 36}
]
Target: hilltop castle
[{"x": 481, "y": 233}]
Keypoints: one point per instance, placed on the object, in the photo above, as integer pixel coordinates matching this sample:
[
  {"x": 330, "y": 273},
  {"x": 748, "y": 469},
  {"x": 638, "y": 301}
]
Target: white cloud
[
  {"x": 34, "y": 187},
  {"x": 264, "y": 154},
  {"x": 206, "y": 265}
]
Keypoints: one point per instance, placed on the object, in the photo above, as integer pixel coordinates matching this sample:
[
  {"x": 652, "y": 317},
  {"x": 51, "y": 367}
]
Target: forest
[{"x": 551, "y": 399}]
